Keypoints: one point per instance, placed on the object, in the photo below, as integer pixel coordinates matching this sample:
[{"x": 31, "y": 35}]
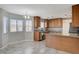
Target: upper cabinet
[
  {"x": 52, "y": 23},
  {"x": 75, "y": 15},
  {"x": 55, "y": 22},
  {"x": 36, "y": 21},
  {"x": 58, "y": 22},
  {"x": 49, "y": 24}
]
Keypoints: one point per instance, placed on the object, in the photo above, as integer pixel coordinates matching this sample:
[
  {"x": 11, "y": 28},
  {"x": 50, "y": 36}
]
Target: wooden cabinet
[
  {"x": 75, "y": 15},
  {"x": 55, "y": 22},
  {"x": 62, "y": 42},
  {"x": 58, "y": 22},
  {"x": 52, "y": 23},
  {"x": 36, "y": 36},
  {"x": 36, "y": 21}
]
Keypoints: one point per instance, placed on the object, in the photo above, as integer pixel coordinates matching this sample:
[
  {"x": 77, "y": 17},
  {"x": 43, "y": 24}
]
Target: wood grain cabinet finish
[
  {"x": 55, "y": 23},
  {"x": 51, "y": 23},
  {"x": 75, "y": 15},
  {"x": 36, "y": 21},
  {"x": 58, "y": 22},
  {"x": 64, "y": 43},
  {"x": 36, "y": 36}
]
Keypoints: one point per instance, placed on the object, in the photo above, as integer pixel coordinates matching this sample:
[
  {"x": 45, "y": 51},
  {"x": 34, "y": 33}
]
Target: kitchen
[
  {"x": 33, "y": 27},
  {"x": 61, "y": 33}
]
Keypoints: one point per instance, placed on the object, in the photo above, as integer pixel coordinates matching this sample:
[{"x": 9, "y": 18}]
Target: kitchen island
[{"x": 65, "y": 42}]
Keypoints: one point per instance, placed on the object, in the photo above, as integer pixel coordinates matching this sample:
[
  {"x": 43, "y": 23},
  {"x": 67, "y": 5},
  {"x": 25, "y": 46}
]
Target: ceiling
[{"x": 43, "y": 10}]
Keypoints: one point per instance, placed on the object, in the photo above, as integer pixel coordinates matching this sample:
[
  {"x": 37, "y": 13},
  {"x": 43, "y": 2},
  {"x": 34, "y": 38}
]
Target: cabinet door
[
  {"x": 36, "y": 36},
  {"x": 50, "y": 23},
  {"x": 58, "y": 22},
  {"x": 36, "y": 21},
  {"x": 53, "y": 23},
  {"x": 75, "y": 16}
]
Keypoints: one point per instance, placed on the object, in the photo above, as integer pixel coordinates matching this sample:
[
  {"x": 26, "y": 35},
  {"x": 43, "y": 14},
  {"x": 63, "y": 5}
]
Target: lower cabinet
[
  {"x": 64, "y": 43},
  {"x": 36, "y": 36}
]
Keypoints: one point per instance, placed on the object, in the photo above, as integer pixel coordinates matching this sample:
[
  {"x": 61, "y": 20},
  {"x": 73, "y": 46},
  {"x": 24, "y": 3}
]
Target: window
[
  {"x": 28, "y": 25},
  {"x": 19, "y": 25},
  {"x": 42, "y": 25},
  {"x": 5, "y": 25},
  {"x": 12, "y": 25}
]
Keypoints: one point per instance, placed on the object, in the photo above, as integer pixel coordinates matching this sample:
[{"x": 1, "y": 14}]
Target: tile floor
[{"x": 30, "y": 48}]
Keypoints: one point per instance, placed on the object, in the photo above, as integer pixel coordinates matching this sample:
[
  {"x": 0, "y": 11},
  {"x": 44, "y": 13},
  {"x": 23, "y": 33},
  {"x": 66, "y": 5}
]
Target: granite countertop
[{"x": 75, "y": 35}]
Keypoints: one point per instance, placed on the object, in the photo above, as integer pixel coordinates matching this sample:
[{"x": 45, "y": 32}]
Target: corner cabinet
[{"x": 75, "y": 15}]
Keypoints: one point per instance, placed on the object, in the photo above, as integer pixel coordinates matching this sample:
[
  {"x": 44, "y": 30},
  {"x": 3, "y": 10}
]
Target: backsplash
[{"x": 55, "y": 29}]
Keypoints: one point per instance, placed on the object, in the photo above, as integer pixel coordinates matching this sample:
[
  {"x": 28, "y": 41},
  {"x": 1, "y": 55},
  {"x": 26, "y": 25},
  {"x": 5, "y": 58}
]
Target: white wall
[{"x": 55, "y": 29}]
